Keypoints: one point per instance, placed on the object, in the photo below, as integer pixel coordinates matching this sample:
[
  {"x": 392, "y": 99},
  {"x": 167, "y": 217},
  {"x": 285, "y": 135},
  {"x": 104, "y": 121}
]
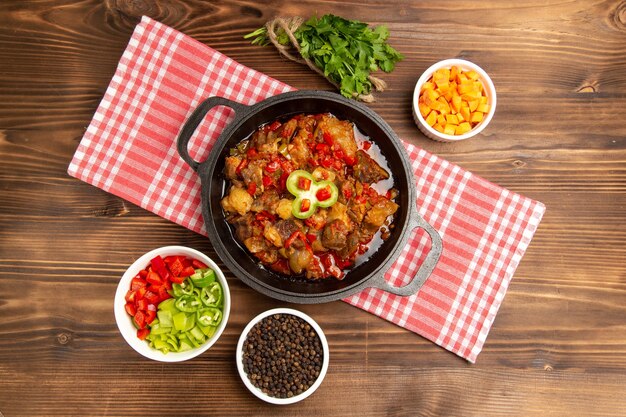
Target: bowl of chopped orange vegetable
[{"x": 453, "y": 100}]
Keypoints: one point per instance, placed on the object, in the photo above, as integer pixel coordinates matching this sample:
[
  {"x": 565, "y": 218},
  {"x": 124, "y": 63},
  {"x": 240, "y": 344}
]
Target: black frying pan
[{"x": 241, "y": 263}]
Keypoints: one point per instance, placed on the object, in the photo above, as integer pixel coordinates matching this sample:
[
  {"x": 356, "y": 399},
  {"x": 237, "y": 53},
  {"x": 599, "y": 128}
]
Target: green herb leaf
[{"x": 347, "y": 51}]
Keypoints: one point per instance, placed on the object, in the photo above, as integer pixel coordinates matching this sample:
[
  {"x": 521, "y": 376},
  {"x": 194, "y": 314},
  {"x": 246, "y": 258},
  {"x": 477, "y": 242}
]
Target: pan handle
[
  {"x": 425, "y": 269},
  {"x": 196, "y": 118}
]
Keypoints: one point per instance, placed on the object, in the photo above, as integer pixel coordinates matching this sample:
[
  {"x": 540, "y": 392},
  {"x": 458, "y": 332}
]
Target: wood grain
[{"x": 558, "y": 345}]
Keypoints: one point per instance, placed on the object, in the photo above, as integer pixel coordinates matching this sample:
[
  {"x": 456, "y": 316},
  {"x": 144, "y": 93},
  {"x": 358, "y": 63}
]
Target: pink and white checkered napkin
[{"x": 129, "y": 150}]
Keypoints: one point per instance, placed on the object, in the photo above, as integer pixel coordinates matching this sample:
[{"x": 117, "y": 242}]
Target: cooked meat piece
[
  {"x": 267, "y": 201},
  {"x": 299, "y": 149},
  {"x": 264, "y": 141},
  {"x": 287, "y": 227},
  {"x": 314, "y": 270},
  {"x": 367, "y": 170},
  {"x": 238, "y": 200},
  {"x": 356, "y": 211},
  {"x": 288, "y": 129},
  {"x": 335, "y": 234},
  {"x": 267, "y": 257},
  {"x": 338, "y": 211},
  {"x": 379, "y": 212},
  {"x": 256, "y": 244},
  {"x": 342, "y": 132},
  {"x": 245, "y": 227},
  {"x": 232, "y": 162},
  {"x": 254, "y": 173},
  {"x": 318, "y": 220},
  {"x": 352, "y": 244},
  {"x": 271, "y": 233},
  {"x": 299, "y": 260}
]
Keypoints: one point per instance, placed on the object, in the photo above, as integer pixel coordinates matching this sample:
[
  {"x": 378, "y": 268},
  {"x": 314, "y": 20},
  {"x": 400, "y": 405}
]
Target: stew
[{"x": 309, "y": 196}]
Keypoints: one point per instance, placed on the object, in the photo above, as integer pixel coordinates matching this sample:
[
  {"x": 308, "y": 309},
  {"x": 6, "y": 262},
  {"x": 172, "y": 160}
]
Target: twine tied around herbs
[{"x": 290, "y": 25}]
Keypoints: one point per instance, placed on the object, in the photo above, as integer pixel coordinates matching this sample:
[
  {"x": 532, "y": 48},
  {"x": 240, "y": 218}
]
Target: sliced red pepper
[
  {"x": 137, "y": 283},
  {"x": 349, "y": 160},
  {"x": 252, "y": 152},
  {"x": 322, "y": 148},
  {"x": 267, "y": 181},
  {"x": 150, "y": 316},
  {"x": 272, "y": 166},
  {"x": 323, "y": 194},
  {"x": 151, "y": 297},
  {"x": 170, "y": 259},
  {"x": 142, "y": 304},
  {"x": 367, "y": 145},
  {"x": 275, "y": 125},
  {"x": 143, "y": 333},
  {"x": 140, "y": 293},
  {"x": 197, "y": 264},
  {"x": 154, "y": 278},
  {"x": 163, "y": 293},
  {"x": 252, "y": 188},
  {"x": 326, "y": 162},
  {"x": 130, "y": 309},
  {"x": 304, "y": 183},
  {"x": 311, "y": 237},
  {"x": 283, "y": 180},
  {"x": 306, "y": 205},
  {"x": 140, "y": 319},
  {"x": 176, "y": 267},
  {"x": 159, "y": 267},
  {"x": 339, "y": 154},
  {"x": 328, "y": 139},
  {"x": 177, "y": 279},
  {"x": 242, "y": 165},
  {"x": 347, "y": 193},
  {"x": 130, "y": 296},
  {"x": 188, "y": 271},
  {"x": 143, "y": 273}
]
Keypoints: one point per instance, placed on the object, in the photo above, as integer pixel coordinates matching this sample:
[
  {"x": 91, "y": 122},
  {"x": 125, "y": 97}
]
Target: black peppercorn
[{"x": 282, "y": 355}]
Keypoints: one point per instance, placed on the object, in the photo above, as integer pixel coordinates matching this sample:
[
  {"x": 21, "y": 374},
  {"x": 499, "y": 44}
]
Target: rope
[{"x": 289, "y": 26}]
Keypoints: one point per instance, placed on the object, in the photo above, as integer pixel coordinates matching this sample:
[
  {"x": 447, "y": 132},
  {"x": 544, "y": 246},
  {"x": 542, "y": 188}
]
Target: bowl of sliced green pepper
[{"x": 172, "y": 304}]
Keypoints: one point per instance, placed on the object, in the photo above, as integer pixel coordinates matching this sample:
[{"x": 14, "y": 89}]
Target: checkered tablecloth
[{"x": 129, "y": 150}]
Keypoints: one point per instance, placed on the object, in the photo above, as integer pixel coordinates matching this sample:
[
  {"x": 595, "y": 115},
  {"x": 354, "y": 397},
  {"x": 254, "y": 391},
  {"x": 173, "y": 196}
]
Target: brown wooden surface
[{"x": 558, "y": 345}]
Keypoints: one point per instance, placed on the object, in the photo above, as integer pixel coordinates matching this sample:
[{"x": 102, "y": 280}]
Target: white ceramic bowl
[
  {"x": 490, "y": 92},
  {"x": 124, "y": 321},
  {"x": 256, "y": 391}
]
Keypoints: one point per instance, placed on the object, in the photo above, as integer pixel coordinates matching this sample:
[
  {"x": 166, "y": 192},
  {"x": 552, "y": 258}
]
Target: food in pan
[{"x": 309, "y": 196}]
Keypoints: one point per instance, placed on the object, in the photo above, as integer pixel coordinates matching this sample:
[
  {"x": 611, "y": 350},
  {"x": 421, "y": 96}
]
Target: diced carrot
[
  {"x": 453, "y": 101},
  {"x": 449, "y": 129},
  {"x": 483, "y": 108},
  {"x": 462, "y": 128},
  {"x": 424, "y": 109},
  {"x": 476, "y": 117},
  {"x": 431, "y": 118},
  {"x": 452, "y": 119}
]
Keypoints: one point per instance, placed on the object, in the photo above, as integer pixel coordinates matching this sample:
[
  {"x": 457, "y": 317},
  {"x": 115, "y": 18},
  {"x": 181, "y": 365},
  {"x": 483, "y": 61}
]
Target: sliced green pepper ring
[{"x": 318, "y": 194}]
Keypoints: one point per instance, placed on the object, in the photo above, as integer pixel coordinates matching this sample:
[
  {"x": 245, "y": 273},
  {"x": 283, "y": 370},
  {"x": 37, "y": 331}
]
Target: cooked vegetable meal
[{"x": 309, "y": 196}]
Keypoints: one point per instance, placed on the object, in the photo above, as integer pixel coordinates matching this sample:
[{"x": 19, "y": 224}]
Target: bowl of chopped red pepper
[{"x": 172, "y": 304}]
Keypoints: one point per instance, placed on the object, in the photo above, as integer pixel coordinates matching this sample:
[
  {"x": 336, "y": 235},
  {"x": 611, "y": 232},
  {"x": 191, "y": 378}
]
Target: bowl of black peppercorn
[{"x": 282, "y": 356}]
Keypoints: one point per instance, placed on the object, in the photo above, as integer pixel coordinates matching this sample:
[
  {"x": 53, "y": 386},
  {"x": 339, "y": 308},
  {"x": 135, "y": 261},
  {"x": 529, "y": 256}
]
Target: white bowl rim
[
  {"x": 124, "y": 321},
  {"x": 239, "y": 357},
  {"x": 446, "y": 63}
]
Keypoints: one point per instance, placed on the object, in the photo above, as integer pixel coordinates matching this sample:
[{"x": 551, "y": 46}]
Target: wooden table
[{"x": 558, "y": 345}]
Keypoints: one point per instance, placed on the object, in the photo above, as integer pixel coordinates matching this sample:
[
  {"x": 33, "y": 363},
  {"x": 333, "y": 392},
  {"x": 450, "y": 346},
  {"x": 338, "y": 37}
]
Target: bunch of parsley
[{"x": 347, "y": 51}]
